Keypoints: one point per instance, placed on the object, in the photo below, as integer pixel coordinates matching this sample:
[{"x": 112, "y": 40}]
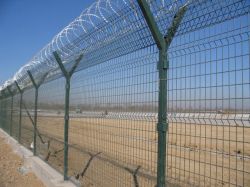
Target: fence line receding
[{"x": 140, "y": 93}]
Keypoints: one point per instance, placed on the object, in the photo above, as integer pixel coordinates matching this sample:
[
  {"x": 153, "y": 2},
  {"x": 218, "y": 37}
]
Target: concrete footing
[{"x": 49, "y": 176}]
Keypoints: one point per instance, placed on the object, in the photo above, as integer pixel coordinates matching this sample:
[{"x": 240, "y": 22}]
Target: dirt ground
[
  {"x": 10, "y": 164},
  {"x": 198, "y": 155}
]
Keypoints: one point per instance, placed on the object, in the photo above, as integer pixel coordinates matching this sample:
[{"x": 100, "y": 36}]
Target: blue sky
[
  {"x": 26, "y": 26},
  {"x": 212, "y": 73}
]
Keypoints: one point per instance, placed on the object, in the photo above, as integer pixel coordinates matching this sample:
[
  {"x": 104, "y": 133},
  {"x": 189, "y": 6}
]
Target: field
[{"x": 123, "y": 152}]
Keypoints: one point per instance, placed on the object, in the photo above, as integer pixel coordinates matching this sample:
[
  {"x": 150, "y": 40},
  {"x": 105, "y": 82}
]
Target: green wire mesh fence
[{"x": 140, "y": 93}]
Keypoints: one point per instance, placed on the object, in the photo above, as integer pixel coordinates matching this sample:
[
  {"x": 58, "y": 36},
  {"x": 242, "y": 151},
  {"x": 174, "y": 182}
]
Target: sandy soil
[
  {"x": 10, "y": 176},
  {"x": 198, "y": 155}
]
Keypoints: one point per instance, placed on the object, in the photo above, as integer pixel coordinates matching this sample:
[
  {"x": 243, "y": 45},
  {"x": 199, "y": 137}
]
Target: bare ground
[
  {"x": 198, "y": 155},
  {"x": 10, "y": 176}
]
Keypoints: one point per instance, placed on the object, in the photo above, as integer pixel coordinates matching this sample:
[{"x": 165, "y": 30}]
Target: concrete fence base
[{"x": 49, "y": 176}]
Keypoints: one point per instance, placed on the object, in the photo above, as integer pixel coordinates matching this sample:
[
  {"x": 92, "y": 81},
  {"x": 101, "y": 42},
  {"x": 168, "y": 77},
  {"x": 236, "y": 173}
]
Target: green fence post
[
  {"x": 67, "y": 76},
  {"x": 36, "y": 86},
  {"x": 20, "y": 111},
  {"x": 163, "y": 43},
  {"x": 11, "y": 112}
]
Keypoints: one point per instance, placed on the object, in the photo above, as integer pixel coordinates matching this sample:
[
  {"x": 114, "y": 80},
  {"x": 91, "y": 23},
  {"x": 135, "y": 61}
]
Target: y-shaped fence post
[
  {"x": 11, "y": 112},
  {"x": 36, "y": 86},
  {"x": 67, "y": 76},
  {"x": 163, "y": 43},
  {"x": 20, "y": 111}
]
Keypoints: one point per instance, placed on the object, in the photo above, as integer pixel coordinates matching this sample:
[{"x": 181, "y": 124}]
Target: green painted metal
[
  {"x": 162, "y": 125},
  {"x": 163, "y": 44},
  {"x": 11, "y": 115},
  {"x": 11, "y": 112},
  {"x": 20, "y": 112},
  {"x": 151, "y": 23},
  {"x": 174, "y": 26},
  {"x": 35, "y": 121},
  {"x": 66, "y": 113},
  {"x": 36, "y": 86},
  {"x": 1, "y": 109},
  {"x": 67, "y": 76},
  {"x": 32, "y": 79},
  {"x": 66, "y": 127},
  {"x": 162, "y": 98},
  {"x": 3, "y": 112},
  {"x": 35, "y": 110},
  {"x": 5, "y": 94}
]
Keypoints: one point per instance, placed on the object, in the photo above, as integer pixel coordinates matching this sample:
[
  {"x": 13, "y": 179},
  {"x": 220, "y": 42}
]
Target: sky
[
  {"x": 213, "y": 73},
  {"x": 26, "y": 26}
]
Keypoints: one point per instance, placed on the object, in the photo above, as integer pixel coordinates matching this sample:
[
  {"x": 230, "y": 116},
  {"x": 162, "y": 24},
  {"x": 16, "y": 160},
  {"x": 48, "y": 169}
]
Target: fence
[{"x": 140, "y": 93}]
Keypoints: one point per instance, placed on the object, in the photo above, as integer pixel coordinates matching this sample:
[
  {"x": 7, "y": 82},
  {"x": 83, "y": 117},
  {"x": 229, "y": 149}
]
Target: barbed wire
[{"x": 96, "y": 32}]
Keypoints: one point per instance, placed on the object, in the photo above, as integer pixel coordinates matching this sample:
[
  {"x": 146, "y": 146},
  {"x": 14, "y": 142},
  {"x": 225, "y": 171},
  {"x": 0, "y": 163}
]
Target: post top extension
[
  {"x": 151, "y": 23},
  {"x": 19, "y": 89},
  {"x": 9, "y": 90},
  {"x": 162, "y": 43},
  {"x": 60, "y": 64},
  {"x": 39, "y": 83},
  {"x": 32, "y": 79},
  {"x": 175, "y": 25}
]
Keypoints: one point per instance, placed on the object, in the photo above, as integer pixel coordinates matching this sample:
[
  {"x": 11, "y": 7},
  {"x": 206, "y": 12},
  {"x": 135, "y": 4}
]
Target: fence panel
[
  {"x": 119, "y": 53},
  {"x": 4, "y": 115},
  {"x": 113, "y": 121},
  {"x": 208, "y": 105},
  {"x": 50, "y": 123},
  {"x": 28, "y": 118},
  {"x": 15, "y": 125}
]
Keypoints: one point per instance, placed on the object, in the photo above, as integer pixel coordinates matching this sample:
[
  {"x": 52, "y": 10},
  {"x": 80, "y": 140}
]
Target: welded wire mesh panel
[
  {"x": 28, "y": 118},
  {"x": 208, "y": 105},
  {"x": 16, "y": 112},
  {"x": 113, "y": 116},
  {"x": 114, "y": 95},
  {"x": 50, "y": 124},
  {"x": 4, "y": 116},
  {"x": 7, "y": 114},
  {"x": 199, "y": 14},
  {"x": 1, "y": 113}
]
